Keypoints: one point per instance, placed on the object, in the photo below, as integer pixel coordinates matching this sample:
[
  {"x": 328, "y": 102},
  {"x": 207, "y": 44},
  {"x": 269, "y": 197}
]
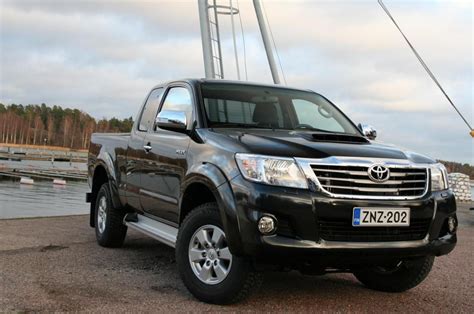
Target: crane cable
[
  {"x": 243, "y": 41},
  {"x": 233, "y": 39},
  {"x": 423, "y": 64},
  {"x": 273, "y": 40}
]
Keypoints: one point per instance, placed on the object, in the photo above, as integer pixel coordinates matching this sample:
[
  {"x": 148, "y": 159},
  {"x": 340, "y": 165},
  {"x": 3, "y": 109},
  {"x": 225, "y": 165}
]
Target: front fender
[{"x": 211, "y": 176}]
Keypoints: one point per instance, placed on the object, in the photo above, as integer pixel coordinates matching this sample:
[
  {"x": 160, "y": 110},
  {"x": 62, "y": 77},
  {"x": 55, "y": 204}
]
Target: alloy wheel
[
  {"x": 102, "y": 214},
  {"x": 209, "y": 255}
]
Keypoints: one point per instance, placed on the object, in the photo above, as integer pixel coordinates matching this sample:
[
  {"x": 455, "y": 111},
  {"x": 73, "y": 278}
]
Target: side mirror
[
  {"x": 368, "y": 131},
  {"x": 171, "y": 120}
]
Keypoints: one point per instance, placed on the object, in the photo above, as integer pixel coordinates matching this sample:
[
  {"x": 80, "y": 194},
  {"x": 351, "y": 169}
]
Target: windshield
[{"x": 238, "y": 105}]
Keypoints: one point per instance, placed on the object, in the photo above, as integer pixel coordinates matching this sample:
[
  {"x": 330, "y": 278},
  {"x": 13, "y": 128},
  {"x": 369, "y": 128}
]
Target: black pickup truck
[{"x": 242, "y": 177}]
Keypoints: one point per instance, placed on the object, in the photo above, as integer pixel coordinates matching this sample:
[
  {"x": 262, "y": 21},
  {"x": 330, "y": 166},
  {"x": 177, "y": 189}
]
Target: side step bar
[{"x": 152, "y": 228}]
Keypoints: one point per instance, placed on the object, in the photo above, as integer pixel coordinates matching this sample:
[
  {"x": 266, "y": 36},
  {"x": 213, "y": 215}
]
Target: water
[{"x": 43, "y": 198}]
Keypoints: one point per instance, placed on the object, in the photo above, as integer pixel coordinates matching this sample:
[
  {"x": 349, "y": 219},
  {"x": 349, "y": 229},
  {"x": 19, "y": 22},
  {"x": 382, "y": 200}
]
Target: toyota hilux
[{"x": 241, "y": 177}]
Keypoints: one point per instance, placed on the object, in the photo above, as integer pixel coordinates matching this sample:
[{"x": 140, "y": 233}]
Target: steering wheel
[
  {"x": 303, "y": 126},
  {"x": 324, "y": 113}
]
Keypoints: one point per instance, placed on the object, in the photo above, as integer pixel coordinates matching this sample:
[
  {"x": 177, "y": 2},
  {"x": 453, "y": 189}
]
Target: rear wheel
[
  {"x": 206, "y": 265},
  {"x": 109, "y": 228},
  {"x": 396, "y": 277}
]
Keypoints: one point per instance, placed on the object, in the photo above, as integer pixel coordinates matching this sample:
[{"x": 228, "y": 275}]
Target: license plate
[{"x": 380, "y": 217}]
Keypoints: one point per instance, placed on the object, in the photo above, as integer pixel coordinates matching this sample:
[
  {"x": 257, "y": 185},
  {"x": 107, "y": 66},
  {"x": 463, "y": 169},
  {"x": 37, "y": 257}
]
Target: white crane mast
[{"x": 211, "y": 39}]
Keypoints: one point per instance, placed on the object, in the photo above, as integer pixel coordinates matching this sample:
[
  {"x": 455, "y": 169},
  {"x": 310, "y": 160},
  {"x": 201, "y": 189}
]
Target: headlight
[
  {"x": 271, "y": 170},
  {"x": 439, "y": 177}
]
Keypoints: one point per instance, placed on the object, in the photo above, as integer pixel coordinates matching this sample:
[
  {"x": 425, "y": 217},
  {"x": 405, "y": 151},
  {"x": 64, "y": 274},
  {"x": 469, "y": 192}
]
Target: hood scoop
[{"x": 334, "y": 137}]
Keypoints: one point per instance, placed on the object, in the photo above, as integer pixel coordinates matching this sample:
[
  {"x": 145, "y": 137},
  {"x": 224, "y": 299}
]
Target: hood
[{"x": 288, "y": 143}]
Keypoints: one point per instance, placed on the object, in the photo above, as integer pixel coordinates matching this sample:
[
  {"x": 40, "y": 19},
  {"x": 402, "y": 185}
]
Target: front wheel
[
  {"x": 396, "y": 277},
  {"x": 206, "y": 265}
]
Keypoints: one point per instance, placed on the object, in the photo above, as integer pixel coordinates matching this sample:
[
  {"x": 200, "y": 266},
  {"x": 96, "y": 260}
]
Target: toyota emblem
[{"x": 378, "y": 173}]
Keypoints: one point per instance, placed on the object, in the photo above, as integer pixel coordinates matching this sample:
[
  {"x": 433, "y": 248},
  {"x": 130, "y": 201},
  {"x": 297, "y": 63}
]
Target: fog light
[
  {"x": 452, "y": 224},
  {"x": 266, "y": 225}
]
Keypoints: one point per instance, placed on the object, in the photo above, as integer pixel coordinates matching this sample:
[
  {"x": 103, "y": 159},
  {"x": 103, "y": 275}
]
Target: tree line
[
  {"x": 53, "y": 126},
  {"x": 72, "y": 128}
]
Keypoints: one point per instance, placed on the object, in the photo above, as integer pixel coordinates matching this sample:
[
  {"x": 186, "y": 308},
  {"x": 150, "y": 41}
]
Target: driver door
[{"x": 165, "y": 163}]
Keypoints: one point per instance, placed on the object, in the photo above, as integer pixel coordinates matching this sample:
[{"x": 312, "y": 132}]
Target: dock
[
  {"x": 72, "y": 175},
  {"x": 47, "y": 156},
  {"x": 42, "y": 163},
  {"x": 14, "y": 153}
]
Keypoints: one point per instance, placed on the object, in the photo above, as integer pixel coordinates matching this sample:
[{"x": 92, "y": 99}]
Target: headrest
[{"x": 266, "y": 114}]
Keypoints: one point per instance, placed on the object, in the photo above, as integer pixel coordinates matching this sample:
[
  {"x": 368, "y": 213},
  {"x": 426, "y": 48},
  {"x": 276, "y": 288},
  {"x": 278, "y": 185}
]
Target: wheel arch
[
  {"x": 207, "y": 183},
  {"x": 101, "y": 175}
]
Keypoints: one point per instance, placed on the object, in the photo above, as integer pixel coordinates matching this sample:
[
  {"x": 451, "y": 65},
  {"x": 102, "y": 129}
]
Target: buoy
[
  {"x": 26, "y": 180},
  {"x": 59, "y": 182}
]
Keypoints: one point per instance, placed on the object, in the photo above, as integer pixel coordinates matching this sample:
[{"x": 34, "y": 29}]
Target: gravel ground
[{"x": 54, "y": 264}]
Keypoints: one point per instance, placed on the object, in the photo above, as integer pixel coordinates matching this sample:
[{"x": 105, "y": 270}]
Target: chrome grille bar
[
  {"x": 383, "y": 190},
  {"x": 347, "y": 177},
  {"x": 389, "y": 182},
  {"x": 364, "y": 173}
]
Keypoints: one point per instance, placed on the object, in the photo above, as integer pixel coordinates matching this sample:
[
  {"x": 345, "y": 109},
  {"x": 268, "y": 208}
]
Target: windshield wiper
[
  {"x": 238, "y": 125},
  {"x": 323, "y": 131},
  {"x": 314, "y": 129}
]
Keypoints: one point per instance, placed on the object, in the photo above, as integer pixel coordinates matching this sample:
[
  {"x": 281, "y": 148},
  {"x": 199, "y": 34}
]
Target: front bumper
[{"x": 301, "y": 233}]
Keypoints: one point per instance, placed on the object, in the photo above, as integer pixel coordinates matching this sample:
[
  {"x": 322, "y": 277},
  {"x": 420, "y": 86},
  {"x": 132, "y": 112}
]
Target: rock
[{"x": 461, "y": 186}]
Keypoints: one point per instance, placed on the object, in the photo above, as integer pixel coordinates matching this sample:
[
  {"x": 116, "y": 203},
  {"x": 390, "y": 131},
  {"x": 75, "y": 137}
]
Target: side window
[
  {"x": 179, "y": 99},
  {"x": 150, "y": 109},
  {"x": 311, "y": 114}
]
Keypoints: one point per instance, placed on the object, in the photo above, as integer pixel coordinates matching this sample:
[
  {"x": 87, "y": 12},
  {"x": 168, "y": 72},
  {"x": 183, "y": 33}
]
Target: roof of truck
[{"x": 197, "y": 81}]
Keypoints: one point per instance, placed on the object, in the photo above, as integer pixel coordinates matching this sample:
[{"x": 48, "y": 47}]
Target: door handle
[{"x": 147, "y": 148}]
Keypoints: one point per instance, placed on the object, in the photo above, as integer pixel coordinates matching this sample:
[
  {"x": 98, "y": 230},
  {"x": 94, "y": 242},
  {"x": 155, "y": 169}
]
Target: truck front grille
[
  {"x": 342, "y": 180},
  {"x": 337, "y": 230}
]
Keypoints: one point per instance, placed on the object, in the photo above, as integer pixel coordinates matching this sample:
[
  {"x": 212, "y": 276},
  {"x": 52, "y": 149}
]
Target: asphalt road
[{"x": 54, "y": 264}]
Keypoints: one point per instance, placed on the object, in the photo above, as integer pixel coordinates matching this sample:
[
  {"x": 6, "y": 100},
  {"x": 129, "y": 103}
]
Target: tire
[
  {"x": 240, "y": 277},
  {"x": 109, "y": 228},
  {"x": 397, "y": 278}
]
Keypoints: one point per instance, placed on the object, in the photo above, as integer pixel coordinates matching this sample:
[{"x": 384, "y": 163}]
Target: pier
[
  {"x": 44, "y": 174},
  {"x": 42, "y": 163},
  {"x": 20, "y": 154}
]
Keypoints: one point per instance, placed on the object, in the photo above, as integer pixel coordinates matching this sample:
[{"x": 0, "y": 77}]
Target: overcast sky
[{"x": 103, "y": 57}]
